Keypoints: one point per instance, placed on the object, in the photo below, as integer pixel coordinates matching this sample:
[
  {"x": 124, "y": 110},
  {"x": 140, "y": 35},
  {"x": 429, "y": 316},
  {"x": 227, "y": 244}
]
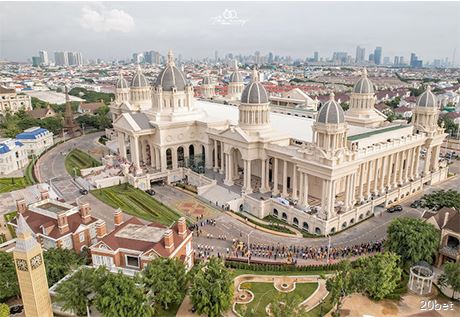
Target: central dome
[
  {"x": 171, "y": 76},
  {"x": 139, "y": 80},
  {"x": 427, "y": 99},
  {"x": 255, "y": 92},
  {"x": 364, "y": 85},
  {"x": 331, "y": 112},
  {"x": 236, "y": 77}
]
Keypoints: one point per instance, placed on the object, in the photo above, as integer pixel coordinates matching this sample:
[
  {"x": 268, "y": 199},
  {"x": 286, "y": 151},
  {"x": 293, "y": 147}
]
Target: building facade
[
  {"x": 60, "y": 225},
  {"x": 133, "y": 244},
  {"x": 13, "y": 102},
  {"x": 36, "y": 140},
  {"x": 13, "y": 156},
  {"x": 320, "y": 175}
]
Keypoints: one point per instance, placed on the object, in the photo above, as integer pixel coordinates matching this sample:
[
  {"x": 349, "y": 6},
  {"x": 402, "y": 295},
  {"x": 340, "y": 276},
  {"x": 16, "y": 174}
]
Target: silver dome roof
[
  {"x": 364, "y": 85},
  {"x": 254, "y": 92},
  {"x": 236, "y": 77},
  {"x": 331, "y": 112},
  {"x": 122, "y": 83},
  {"x": 139, "y": 80},
  {"x": 427, "y": 99},
  {"x": 171, "y": 76}
]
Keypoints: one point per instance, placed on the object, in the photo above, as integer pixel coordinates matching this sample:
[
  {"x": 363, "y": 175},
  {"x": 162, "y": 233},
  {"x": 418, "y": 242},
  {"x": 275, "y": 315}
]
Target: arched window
[
  {"x": 333, "y": 230},
  {"x": 275, "y": 212},
  {"x": 361, "y": 216},
  {"x": 284, "y": 216},
  {"x": 169, "y": 164},
  {"x": 352, "y": 221},
  {"x": 295, "y": 221},
  {"x": 317, "y": 230},
  {"x": 305, "y": 226},
  {"x": 180, "y": 157},
  {"x": 344, "y": 225}
]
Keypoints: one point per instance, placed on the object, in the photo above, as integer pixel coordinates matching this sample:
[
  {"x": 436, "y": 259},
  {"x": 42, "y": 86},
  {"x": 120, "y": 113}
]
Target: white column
[
  {"x": 222, "y": 162},
  {"x": 263, "y": 177},
  {"x": 267, "y": 167},
  {"x": 435, "y": 158},
  {"x": 369, "y": 174},
  {"x": 174, "y": 158},
  {"x": 389, "y": 171},
  {"x": 285, "y": 193},
  {"x": 426, "y": 169},
  {"x": 383, "y": 176},
  {"x": 400, "y": 170},
  {"x": 408, "y": 165},
  {"x": 305, "y": 189},
  {"x": 152, "y": 155},
  {"x": 135, "y": 151},
  {"x": 361, "y": 183},
  {"x": 275, "y": 177},
  {"x": 396, "y": 168},
  {"x": 121, "y": 144},
  {"x": 376, "y": 176},
  {"x": 347, "y": 191},
  {"x": 228, "y": 170},
  {"x": 417, "y": 161},
  {"x": 294, "y": 181},
  {"x": 353, "y": 187},
  {"x": 215, "y": 167},
  {"x": 301, "y": 189}
]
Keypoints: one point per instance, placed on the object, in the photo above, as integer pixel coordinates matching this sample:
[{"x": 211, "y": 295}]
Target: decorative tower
[
  {"x": 208, "y": 89},
  {"x": 140, "y": 92},
  {"x": 330, "y": 129},
  {"x": 235, "y": 85},
  {"x": 362, "y": 111},
  {"x": 172, "y": 93},
  {"x": 254, "y": 109},
  {"x": 121, "y": 90},
  {"x": 69, "y": 123},
  {"x": 30, "y": 268},
  {"x": 425, "y": 120}
]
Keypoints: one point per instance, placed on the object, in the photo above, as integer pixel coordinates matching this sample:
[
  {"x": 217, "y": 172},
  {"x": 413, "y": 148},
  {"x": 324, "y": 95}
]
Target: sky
[{"x": 115, "y": 30}]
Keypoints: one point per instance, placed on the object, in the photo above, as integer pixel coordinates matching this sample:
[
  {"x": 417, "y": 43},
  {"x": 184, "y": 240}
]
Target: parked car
[
  {"x": 83, "y": 191},
  {"x": 396, "y": 208},
  {"x": 416, "y": 204},
  {"x": 151, "y": 192}
]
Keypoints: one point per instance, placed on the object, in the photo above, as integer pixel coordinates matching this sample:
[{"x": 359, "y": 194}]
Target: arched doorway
[
  {"x": 191, "y": 155},
  {"x": 169, "y": 163},
  {"x": 180, "y": 157}
]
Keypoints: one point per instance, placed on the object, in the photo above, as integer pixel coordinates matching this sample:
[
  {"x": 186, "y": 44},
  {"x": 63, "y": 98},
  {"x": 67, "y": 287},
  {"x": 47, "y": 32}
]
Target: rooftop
[
  {"x": 141, "y": 232},
  {"x": 374, "y": 132}
]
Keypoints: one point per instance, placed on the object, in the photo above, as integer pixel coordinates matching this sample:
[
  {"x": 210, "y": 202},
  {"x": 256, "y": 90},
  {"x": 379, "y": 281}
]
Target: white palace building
[{"x": 320, "y": 175}]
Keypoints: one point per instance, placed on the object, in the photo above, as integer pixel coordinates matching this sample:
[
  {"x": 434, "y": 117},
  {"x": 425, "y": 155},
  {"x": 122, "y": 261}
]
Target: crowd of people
[{"x": 271, "y": 252}]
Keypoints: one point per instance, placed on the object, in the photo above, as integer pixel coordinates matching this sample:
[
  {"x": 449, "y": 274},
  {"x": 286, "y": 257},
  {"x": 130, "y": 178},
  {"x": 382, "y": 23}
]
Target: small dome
[
  {"x": 254, "y": 92},
  {"x": 331, "y": 112},
  {"x": 171, "y": 76},
  {"x": 122, "y": 83},
  {"x": 427, "y": 99},
  {"x": 139, "y": 80},
  {"x": 236, "y": 77},
  {"x": 364, "y": 85}
]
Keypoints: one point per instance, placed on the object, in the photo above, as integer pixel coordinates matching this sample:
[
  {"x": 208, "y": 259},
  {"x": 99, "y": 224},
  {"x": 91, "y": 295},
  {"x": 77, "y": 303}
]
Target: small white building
[
  {"x": 13, "y": 156},
  {"x": 11, "y": 101},
  {"x": 36, "y": 140}
]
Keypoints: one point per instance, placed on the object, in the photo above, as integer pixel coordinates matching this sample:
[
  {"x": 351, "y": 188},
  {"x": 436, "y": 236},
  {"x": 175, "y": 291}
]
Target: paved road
[{"x": 52, "y": 169}]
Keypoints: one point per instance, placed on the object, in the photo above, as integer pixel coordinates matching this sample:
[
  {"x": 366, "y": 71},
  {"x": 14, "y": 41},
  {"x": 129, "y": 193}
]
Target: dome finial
[
  {"x": 428, "y": 88},
  {"x": 235, "y": 64},
  {"x": 170, "y": 57},
  {"x": 331, "y": 96},
  {"x": 255, "y": 74},
  {"x": 365, "y": 72},
  {"x": 139, "y": 68}
]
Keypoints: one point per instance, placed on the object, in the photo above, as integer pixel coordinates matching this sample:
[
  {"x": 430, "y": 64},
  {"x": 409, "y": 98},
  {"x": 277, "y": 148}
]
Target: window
[
  {"x": 132, "y": 261},
  {"x": 82, "y": 236}
]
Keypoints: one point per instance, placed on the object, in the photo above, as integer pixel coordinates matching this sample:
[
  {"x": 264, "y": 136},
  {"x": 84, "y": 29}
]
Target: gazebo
[{"x": 421, "y": 278}]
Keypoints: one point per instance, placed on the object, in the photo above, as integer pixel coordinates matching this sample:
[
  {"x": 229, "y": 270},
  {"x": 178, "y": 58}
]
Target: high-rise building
[
  {"x": 316, "y": 57},
  {"x": 360, "y": 54},
  {"x": 30, "y": 269},
  {"x": 36, "y": 61},
  {"x": 72, "y": 58},
  {"x": 378, "y": 55},
  {"x": 257, "y": 58},
  {"x": 371, "y": 58},
  {"x": 270, "y": 57},
  {"x": 386, "y": 60},
  {"x": 44, "y": 60},
  {"x": 216, "y": 56},
  {"x": 138, "y": 58},
  {"x": 401, "y": 60},
  {"x": 79, "y": 59},
  {"x": 339, "y": 57},
  {"x": 61, "y": 59},
  {"x": 396, "y": 61},
  {"x": 415, "y": 62}
]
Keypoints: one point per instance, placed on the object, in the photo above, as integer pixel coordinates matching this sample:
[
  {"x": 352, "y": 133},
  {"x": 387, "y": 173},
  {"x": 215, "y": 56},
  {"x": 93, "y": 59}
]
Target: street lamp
[
  {"x": 249, "y": 249},
  {"x": 328, "y": 248}
]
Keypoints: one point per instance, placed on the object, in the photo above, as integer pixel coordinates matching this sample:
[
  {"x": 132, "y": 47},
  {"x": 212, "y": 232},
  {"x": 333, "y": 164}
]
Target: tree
[
  {"x": 165, "y": 279},
  {"x": 340, "y": 285},
  {"x": 442, "y": 198},
  {"x": 9, "y": 286},
  {"x": 412, "y": 239},
  {"x": 377, "y": 276},
  {"x": 4, "y": 310},
  {"x": 451, "y": 277},
  {"x": 119, "y": 296},
  {"x": 76, "y": 293},
  {"x": 60, "y": 262},
  {"x": 212, "y": 289}
]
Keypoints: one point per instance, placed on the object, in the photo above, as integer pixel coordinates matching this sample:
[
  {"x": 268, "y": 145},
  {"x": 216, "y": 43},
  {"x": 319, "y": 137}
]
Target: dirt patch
[{"x": 389, "y": 308}]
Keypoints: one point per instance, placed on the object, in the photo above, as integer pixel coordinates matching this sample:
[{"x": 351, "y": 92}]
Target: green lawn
[
  {"x": 135, "y": 202},
  {"x": 12, "y": 183},
  {"x": 274, "y": 227},
  {"x": 265, "y": 292},
  {"x": 77, "y": 160},
  {"x": 237, "y": 272},
  {"x": 322, "y": 309}
]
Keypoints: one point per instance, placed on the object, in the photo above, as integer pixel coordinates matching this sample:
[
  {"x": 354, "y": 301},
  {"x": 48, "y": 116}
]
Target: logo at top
[{"x": 228, "y": 17}]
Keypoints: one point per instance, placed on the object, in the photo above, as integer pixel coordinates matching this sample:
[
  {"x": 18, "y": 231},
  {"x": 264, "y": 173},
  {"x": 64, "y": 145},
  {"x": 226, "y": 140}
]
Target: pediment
[{"x": 235, "y": 133}]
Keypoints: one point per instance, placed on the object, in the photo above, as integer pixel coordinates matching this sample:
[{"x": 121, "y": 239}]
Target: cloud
[{"x": 106, "y": 20}]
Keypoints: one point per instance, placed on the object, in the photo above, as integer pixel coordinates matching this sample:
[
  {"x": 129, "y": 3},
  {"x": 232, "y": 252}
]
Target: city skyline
[{"x": 116, "y": 30}]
